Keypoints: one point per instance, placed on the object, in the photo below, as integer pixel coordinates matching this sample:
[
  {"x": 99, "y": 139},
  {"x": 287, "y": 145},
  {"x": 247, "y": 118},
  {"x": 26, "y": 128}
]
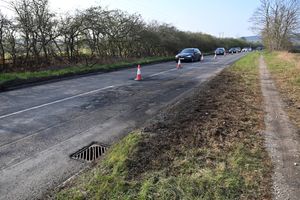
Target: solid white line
[{"x": 55, "y": 102}]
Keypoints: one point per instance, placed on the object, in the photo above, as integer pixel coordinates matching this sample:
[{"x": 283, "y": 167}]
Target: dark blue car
[{"x": 189, "y": 55}]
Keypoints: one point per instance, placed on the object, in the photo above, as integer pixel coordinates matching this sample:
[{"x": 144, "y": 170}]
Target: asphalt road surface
[{"x": 41, "y": 126}]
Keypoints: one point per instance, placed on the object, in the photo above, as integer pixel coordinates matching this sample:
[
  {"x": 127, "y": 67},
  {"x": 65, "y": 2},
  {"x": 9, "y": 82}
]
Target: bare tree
[
  {"x": 71, "y": 29},
  {"x": 11, "y": 42},
  {"x": 24, "y": 19},
  {"x": 35, "y": 23},
  {"x": 277, "y": 21},
  {"x": 3, "y": 27},
  {"x": 44, "y": 25}
]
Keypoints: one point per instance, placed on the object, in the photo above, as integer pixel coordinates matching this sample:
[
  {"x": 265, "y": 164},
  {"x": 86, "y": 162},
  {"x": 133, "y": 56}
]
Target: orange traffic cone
[
  {"x": 138, "y": 74},
  {"x": 178, "y": 64},
  {"x": 202, "y": 57}
]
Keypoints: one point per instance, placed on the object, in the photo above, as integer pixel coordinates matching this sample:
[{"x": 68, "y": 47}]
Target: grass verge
[
  {"x": 19, "y": 77},
  {"x": 285, "y": 70},
  {"x": 208, "y": 146}
]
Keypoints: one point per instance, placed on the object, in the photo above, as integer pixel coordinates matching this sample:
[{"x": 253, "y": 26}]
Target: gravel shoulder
[{"x": 282, "y": 140}]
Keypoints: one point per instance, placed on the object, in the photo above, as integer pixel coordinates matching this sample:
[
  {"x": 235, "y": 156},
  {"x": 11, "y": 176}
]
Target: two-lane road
[{"x": 41, "y": 126}]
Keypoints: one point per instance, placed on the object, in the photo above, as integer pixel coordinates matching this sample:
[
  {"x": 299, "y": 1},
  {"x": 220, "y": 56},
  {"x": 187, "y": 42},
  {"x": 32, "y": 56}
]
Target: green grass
[
  {"x": 247, "y": 67},
  {"x": 234, "y": 172},
  {"x": 107, "y": 180},
  {"x": 195, "y": 180},
  {"x": 6, "y": 77},
  {"x": 247, "y": 64}
]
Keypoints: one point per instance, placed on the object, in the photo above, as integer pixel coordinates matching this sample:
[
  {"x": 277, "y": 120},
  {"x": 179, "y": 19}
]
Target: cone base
[{"x": 138, "y": 78}]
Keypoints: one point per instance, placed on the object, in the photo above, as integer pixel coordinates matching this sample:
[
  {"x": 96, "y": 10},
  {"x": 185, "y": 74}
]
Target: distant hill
[
  {"x": 296, "y": 39},
  {"x": 257, "y": 39},
  {"x": 254, "y": 39}
]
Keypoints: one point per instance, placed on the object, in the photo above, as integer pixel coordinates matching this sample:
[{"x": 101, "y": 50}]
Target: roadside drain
[{"x": 90, "y": 153}]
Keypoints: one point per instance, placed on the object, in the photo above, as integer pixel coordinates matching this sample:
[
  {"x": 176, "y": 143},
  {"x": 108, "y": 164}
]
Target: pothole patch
[{"x": 90, "y": 153}]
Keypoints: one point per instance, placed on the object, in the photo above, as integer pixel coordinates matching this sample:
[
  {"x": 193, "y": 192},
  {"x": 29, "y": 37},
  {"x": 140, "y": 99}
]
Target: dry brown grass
[
  {"x": 290, "y": 57},
  {"x": 285, "y": 69}
]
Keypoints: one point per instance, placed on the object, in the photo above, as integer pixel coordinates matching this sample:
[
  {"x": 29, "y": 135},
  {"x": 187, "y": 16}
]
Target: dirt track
[{"x": 282, "y": 141}]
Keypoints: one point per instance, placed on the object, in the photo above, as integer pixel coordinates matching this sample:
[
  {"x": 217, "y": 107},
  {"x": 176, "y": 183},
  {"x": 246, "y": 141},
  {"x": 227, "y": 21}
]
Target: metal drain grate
[{"x": 90, "y": 153}]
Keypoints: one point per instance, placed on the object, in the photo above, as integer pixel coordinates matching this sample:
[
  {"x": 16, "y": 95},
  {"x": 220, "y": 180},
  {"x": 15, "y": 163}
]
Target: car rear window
[{"x": 187, "y": 51}]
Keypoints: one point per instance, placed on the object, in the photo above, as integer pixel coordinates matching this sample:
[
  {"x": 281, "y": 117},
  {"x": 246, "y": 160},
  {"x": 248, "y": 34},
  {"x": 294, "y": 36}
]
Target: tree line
[{"x": 36, "y": 36}]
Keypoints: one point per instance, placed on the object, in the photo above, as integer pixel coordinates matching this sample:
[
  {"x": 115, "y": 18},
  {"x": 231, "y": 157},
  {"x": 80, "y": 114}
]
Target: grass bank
[
  {"x": 208, "y": 146},
  {"x": 17, "y": 78},
  {"x": 285, "y": 70}
]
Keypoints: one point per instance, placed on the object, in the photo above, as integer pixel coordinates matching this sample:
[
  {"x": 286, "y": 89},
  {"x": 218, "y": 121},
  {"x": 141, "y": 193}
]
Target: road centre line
[
  {"x": 162, "y": 72},
  {"x": 72, "y": 97},
  {"x": 57, "y": 101}
]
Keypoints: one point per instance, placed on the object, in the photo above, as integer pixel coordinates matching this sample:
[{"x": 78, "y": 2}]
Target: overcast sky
[{"x": 229, "y": 18}]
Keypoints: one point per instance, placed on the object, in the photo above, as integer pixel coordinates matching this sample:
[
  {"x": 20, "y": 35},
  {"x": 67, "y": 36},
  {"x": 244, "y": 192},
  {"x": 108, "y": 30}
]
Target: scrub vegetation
[{"x": 207, "y": 146}]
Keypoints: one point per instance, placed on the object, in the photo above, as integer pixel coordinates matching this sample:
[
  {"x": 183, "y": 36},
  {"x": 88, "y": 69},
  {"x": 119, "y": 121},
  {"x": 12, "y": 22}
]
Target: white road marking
[
  {"x": 55, "y": 102},
  {"x": 162, "y": 72},
  {"x": 72, "y": 97},
  {"x": 69, "y": 98}
]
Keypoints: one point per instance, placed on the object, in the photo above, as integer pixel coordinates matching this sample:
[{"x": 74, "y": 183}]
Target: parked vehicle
[
  {"x": 220, "y": 51},
  {"x": 234, "y": 50},
  {"x": 247, "y": 49},
  {"x": 189, "y": 54}
]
